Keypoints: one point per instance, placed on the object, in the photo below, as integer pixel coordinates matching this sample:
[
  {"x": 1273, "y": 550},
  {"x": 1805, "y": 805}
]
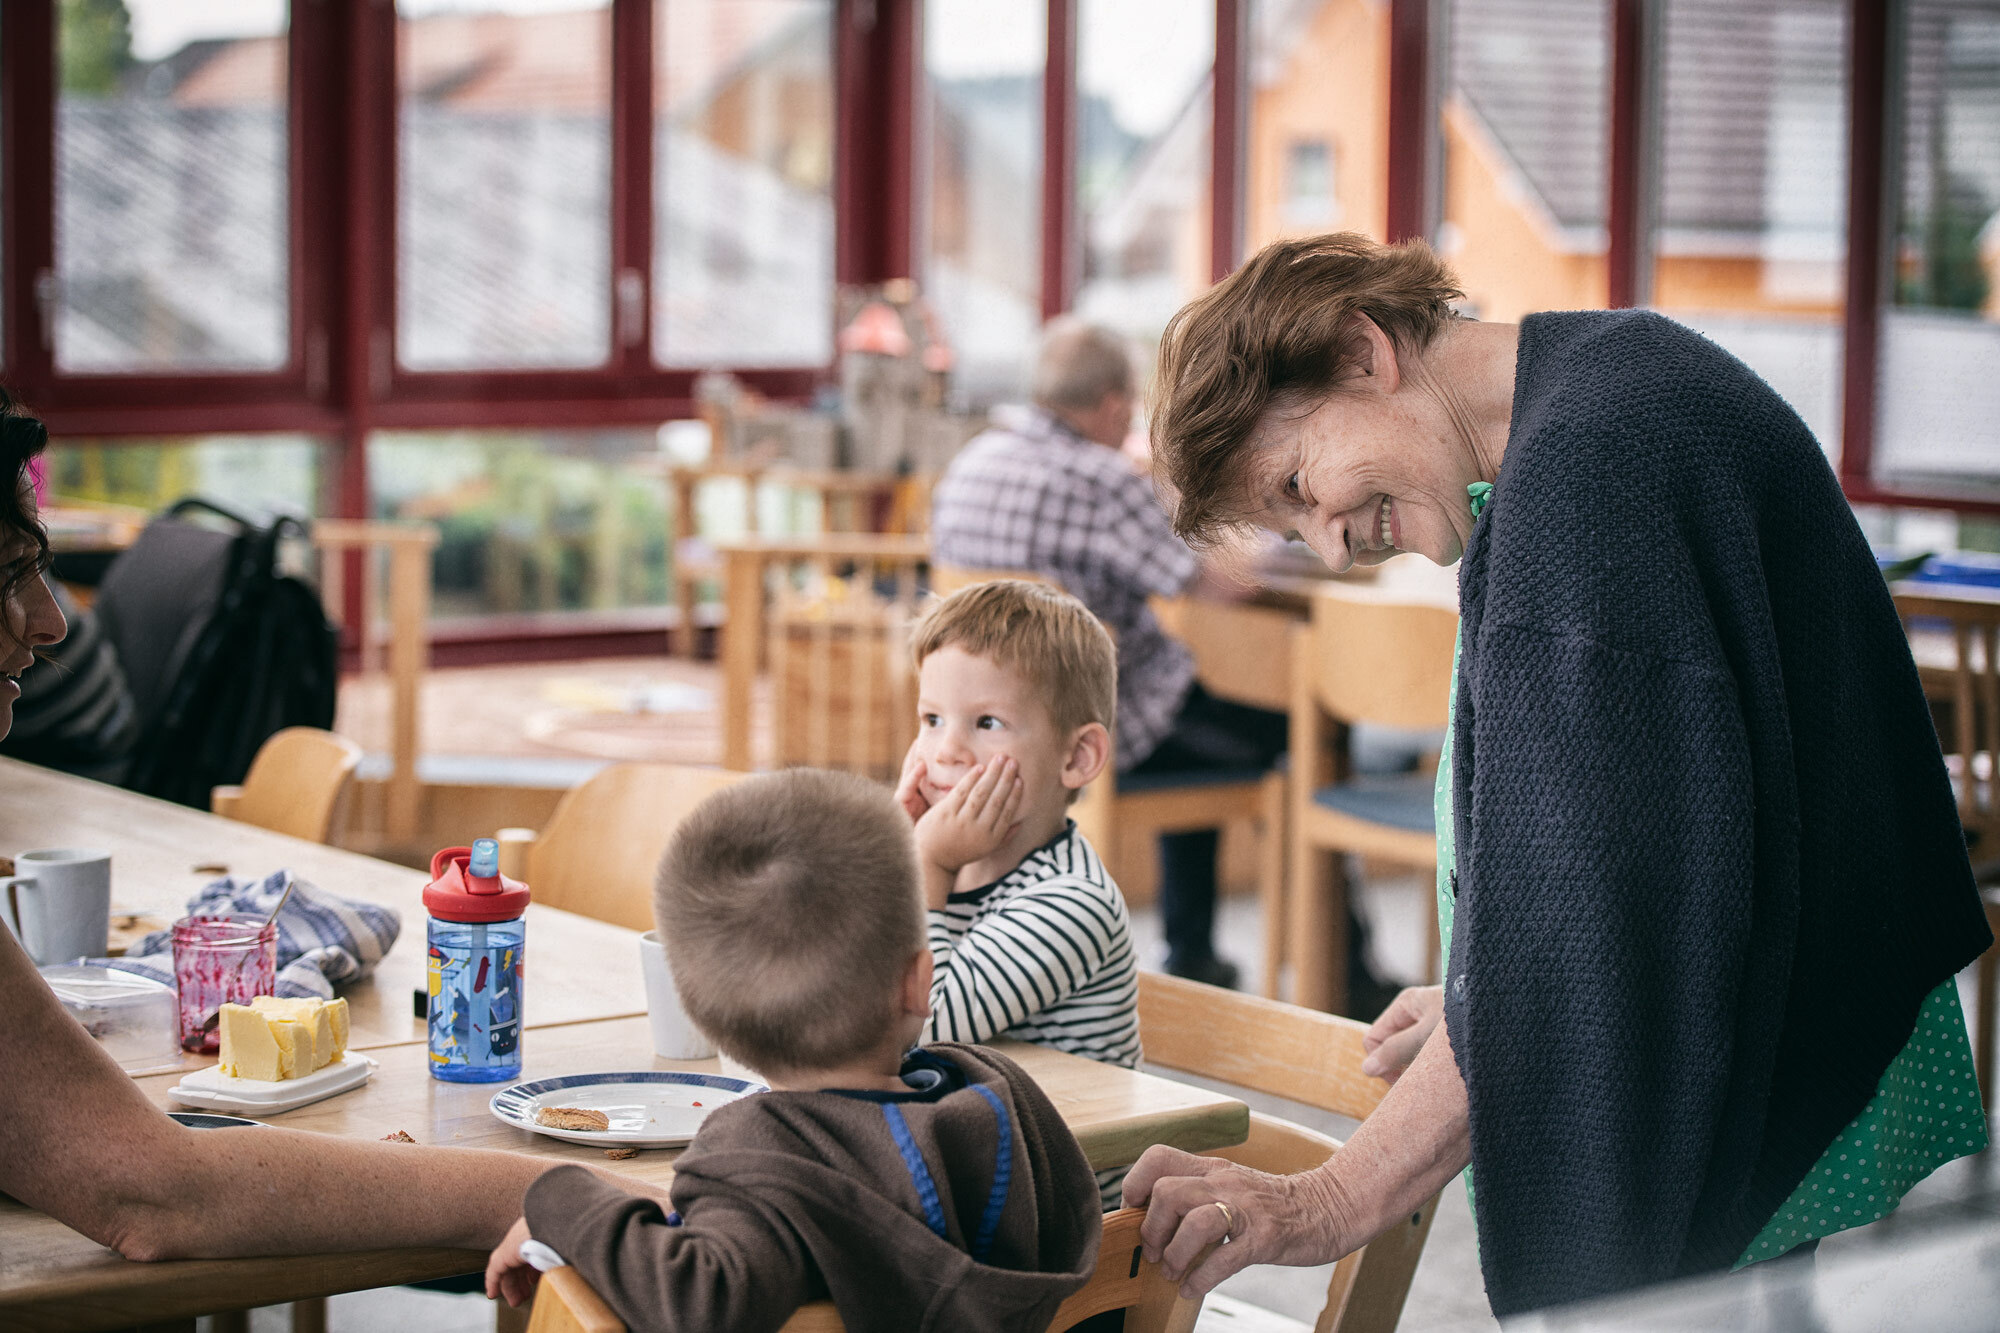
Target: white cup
[
  {"x": 674, "y": 1036},
  {"x": 58, "y": 903}
]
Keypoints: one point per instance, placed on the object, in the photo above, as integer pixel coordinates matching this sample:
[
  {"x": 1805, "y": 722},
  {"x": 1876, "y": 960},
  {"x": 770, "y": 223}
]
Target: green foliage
[
  {"x": 1949, "y": 275},
  {"x": 96, "y": 44}
]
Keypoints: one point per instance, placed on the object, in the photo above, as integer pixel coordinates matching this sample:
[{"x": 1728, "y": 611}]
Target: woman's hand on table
[
  {"x": 1270, "y": 1219},
  {"x": 509, "y": 1277},
  {"x": 1394, "y": 1039}
]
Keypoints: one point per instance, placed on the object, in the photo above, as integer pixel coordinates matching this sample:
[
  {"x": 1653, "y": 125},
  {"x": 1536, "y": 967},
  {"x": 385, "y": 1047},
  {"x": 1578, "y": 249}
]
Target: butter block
[
  {"x": 336, "y": 1014},
  {"x": 295, "y": 1047},
  {"x": 249, "y": 1048},
  {"x": 314, "y": 1015}
]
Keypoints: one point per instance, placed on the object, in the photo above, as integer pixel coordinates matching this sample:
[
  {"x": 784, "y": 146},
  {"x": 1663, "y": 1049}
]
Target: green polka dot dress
[{"x": 1925, "y": 1111}]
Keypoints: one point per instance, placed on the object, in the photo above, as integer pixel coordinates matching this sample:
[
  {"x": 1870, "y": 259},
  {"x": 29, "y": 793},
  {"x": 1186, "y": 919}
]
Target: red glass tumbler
[{"x": 220, "y": 960}]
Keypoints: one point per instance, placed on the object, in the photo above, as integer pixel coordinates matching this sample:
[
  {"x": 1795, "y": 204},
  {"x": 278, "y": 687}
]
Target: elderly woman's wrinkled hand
[
  {"x": 1394, "y": 1039},
  {"x": 1264, "y": 1219}
]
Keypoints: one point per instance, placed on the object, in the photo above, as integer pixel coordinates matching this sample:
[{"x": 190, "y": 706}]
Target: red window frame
[{"x": 341, "y": 380}]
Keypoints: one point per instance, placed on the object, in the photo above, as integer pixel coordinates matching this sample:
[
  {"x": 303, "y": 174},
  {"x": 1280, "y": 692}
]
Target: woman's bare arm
[
  {"x": 79, "y": 1141},
  {"x": 1416, "y": 1141}
]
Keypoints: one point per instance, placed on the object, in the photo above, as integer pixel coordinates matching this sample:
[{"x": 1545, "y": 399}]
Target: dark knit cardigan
[{"x": 1708, "y": 858}]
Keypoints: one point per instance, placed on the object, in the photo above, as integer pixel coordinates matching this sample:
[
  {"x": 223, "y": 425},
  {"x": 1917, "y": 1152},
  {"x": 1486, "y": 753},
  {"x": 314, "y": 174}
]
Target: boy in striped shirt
[{"x": 1017, "y": 683}]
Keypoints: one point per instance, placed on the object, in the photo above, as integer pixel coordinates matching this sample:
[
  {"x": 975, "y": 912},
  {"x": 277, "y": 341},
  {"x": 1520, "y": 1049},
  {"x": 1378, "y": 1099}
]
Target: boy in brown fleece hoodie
[{"x": 931, "y": 1188}]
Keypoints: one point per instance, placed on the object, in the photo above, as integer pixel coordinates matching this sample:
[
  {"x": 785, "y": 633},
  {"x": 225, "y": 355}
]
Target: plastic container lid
[
  {"x": 456, "y": 894},
  {"x": 134, "y": 1018}
]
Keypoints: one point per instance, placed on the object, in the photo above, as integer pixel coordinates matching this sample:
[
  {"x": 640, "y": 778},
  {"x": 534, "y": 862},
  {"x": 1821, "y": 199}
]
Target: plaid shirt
[{"x": 1032, "y": 495}]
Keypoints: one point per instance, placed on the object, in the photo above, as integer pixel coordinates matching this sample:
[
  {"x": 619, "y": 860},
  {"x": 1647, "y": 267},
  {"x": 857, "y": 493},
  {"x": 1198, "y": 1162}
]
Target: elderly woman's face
[{"x": 1365, "y": 474}]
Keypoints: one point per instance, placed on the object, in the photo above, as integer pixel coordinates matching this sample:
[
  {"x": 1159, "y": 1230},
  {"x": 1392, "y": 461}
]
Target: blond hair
[
  {"x": 1279, "y": 332},
  {"x": 1038, "y": 631},
  {"x": 790, "y": 909}
]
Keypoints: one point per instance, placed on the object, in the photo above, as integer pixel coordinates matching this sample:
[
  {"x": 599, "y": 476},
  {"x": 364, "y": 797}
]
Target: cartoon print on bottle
[
  {"x": 505, "y": 1034},
  {"x": 476, "y": 958}
]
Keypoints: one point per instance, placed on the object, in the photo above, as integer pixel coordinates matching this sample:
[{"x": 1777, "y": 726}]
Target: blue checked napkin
[{"x": 324, "y": 940}]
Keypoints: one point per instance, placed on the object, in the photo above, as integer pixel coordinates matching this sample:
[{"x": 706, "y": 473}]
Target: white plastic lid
[{"x": 102, "y": 987}]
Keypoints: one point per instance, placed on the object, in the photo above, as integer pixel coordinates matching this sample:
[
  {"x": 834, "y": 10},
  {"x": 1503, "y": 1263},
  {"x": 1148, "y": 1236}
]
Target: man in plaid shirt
[{"x": 1047, "y": 491}]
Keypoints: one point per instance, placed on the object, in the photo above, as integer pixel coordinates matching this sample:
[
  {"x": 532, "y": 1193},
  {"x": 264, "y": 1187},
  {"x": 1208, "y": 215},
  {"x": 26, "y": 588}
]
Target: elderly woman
[{"x": 1701, "y": 882}]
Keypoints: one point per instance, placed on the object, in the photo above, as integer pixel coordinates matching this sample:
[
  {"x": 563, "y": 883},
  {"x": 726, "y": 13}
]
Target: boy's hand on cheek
[
  {"x": 975, "y": 819},
  {"x": 909, "y": 787}
]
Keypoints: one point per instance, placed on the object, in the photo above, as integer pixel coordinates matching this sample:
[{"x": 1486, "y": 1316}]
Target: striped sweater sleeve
[{"x": 996, "y": 967}]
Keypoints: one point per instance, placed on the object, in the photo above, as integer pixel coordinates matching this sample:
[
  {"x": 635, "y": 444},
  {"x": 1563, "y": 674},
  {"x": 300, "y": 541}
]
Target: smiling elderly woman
[{"x": 1701, "y": 882}]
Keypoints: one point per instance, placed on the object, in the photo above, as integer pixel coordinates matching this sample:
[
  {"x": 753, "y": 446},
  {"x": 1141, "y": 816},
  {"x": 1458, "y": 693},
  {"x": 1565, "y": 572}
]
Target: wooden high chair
[
  {"x": 1304, "y": 1056},
  {"x": 1361, "y": 659},
  {"x": 564, "y": 1302},
  {"x": 295, "y": 784},
  {"x": 602, "y": 847}
]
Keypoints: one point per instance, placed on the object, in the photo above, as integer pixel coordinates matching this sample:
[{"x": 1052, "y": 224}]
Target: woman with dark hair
[
  {"x": 1701, "y": 882},
  {"x": 80, "y": 1142}
]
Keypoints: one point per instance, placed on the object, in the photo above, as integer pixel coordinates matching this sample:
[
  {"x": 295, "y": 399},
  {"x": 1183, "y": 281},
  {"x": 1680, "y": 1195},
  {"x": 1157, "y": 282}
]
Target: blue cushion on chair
[
  {"x": 1130, "y": 784},
  {"x": 1402, "y": 800}
]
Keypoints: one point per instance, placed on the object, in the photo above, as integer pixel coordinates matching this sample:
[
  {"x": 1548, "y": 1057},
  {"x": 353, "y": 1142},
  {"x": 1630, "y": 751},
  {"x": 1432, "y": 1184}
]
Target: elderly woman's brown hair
[{"x": 1279, "y": 332}]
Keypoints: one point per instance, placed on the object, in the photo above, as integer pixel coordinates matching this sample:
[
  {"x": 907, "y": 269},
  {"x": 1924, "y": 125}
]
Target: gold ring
[{"x": 1228, "y": 1221}]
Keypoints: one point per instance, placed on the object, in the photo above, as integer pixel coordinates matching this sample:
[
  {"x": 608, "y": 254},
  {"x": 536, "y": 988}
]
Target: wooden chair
[
  {"x": 1970, "y": 690},
  {"x": 948, "y": 579},
  {"x": 602, "y": 847},
  {"x": 1305, "y": 1056},
  {"x": 1358, "y": 660},
  {"x": 564, "y": 1303},
  {"x": 294, "y": 785}
]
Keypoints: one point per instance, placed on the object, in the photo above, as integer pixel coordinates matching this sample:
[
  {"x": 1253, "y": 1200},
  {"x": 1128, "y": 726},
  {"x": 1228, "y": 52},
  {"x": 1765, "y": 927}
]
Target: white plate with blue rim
[{"x": 649, "y": 1108}]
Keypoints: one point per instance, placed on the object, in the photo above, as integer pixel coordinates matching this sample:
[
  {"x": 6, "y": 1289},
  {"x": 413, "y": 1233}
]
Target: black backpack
[{"x": 220, "y": 648}]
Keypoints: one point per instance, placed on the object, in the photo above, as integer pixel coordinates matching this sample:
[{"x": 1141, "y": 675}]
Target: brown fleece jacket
[{"x": 790, "y": 1197}]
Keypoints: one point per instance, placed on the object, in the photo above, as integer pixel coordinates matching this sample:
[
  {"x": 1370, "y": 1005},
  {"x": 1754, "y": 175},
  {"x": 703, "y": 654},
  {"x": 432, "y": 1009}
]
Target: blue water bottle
[{"x": 478, "y": 936}]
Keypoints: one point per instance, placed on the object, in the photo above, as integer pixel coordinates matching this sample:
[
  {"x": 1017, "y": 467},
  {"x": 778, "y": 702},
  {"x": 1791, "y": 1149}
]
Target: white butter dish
[{"x": 214, "y": 1090}]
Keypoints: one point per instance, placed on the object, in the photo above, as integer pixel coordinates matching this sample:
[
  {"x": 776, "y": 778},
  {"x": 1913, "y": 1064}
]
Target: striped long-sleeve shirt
[{"x": 1042, "y": 954}]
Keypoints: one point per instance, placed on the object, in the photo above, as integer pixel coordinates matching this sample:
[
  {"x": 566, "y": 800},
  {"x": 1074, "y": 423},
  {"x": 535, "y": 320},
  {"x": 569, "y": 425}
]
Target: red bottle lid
[{"x": 456, "y": 894}]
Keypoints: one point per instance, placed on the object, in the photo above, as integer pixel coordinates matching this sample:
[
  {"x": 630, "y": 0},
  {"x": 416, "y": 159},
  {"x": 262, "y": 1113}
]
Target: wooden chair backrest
[
  {"x": 601, "y": 849},
  {"x": 1383, "y": 662},
  {"x": 948, "y": 579},
  {"x": 565, "y": 1303},
  {"x": 1241, "y": 652},
  {"x": 1974, "y": 616},
  {"x": 1309, "y": 1057},
  {"x": 296, "y": 781},
  {"x": 1302, "y": 1055},
  {"x": 1123, "y": 1281}
]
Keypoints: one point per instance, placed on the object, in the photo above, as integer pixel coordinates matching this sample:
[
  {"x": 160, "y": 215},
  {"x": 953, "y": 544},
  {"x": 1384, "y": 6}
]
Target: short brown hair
[
  {"x": 1041, "y": 632},
  {"x": 1280, "y": 330},
  {"x": 790, "y": 907}
]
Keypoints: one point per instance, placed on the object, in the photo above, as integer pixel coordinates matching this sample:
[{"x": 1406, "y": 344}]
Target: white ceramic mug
[
  {"x": 58, "y": 903},
  {"x": 674, "y": 1036}
]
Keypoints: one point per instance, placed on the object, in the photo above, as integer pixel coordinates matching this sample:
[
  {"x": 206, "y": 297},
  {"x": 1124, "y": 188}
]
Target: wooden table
[
  {"x": 577, "y": 968},
  {"x": 585, "y": 1006},
  {"x": 53, "y": 1278}
]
